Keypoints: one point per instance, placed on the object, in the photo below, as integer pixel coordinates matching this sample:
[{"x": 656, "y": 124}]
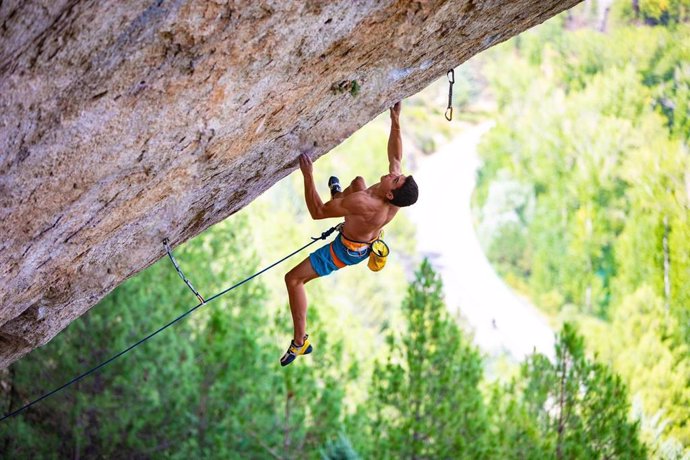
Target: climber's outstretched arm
[
  {"x": 311, "y": 196},
  {"x": 395, "y": 142},
  {"x": 337, "y": 207}
]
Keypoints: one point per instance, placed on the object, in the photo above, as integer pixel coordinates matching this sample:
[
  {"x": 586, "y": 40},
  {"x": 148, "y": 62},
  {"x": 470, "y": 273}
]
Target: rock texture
[{"x": 122, "y": 123}]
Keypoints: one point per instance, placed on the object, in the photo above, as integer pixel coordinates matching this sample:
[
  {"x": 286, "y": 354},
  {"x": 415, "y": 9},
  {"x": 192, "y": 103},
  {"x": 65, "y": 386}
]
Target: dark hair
[{"x": 405, "y": 195}]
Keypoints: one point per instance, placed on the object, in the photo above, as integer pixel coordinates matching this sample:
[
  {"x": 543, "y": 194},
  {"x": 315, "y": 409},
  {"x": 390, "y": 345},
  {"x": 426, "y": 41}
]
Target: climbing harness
[
  {"x": 451, "y": 81},
  {"x": 201, "y": 303},
  {"x": 378, "y": 250}
]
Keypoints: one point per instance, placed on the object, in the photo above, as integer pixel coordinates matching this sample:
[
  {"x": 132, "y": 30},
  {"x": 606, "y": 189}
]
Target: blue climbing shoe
[
  {"x": 294, "y": 351},
  {"x": 334, "y": 185}
]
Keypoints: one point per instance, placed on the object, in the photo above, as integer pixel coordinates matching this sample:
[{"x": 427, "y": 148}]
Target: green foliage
[
  {"x": 640, "y": 345},
  {"x": 426, "y": 400},
  {"x": 592, "y": 138},
  {"x": 573, "y": 408},
  {"x": 426, "y": 397},
  {"x": 652, "y": 12},
  {"x": 339, "y": 449},
  {"x": 350, "y": 86}
]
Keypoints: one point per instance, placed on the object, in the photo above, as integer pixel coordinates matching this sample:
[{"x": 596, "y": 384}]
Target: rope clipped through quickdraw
[
  {"x": 323, "y": 236},
  {"x": 451, "y": 81},
  {"x": 179, "y": 271}
]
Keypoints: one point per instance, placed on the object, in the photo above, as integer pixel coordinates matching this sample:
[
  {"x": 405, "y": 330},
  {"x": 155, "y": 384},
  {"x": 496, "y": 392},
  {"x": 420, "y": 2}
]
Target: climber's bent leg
[{"x": 295, "y": 280}]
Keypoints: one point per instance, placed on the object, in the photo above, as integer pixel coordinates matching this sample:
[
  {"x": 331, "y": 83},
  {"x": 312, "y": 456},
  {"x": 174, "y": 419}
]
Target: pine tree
[
  {"x": 574, "y": 408},
  {"x": 426, "y": 399},
  {"x": 339, "y": 449}
]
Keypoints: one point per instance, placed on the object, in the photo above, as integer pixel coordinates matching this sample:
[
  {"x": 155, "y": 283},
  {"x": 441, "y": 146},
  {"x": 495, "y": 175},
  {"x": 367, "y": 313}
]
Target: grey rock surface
[{"x": 122, "y": 123}]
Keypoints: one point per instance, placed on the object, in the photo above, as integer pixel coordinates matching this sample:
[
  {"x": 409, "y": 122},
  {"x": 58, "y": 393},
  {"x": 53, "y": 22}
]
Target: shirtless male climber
[{"x": 365, "y": 210}]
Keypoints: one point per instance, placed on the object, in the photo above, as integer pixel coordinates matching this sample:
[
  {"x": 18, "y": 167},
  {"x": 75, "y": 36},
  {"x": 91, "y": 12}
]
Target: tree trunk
[
  {"x": 562, "y": 408},
  {"x": 667, "y": 266}
]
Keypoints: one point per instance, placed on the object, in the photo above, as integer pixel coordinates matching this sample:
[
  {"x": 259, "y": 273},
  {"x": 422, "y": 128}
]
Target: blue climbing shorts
[{"x": 337, "y": 254}]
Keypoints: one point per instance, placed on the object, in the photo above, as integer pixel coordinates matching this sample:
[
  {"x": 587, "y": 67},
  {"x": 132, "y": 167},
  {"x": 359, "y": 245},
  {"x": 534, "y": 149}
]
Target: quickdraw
[
  {"x": 451, "y": 81},
  {"x": 179, "y": 271}
]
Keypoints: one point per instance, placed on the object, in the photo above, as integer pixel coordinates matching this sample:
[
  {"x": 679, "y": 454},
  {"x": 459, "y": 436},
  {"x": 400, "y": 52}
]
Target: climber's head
[{"x": 402, "y": 191}]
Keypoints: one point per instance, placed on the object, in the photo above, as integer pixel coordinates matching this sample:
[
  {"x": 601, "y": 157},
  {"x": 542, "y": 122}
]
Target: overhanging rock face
[{"x": 122, "y": 123}]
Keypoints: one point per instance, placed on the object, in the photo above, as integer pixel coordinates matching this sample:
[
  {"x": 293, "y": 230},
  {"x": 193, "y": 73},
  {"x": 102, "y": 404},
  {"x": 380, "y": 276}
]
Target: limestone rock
[{"x": 122, "y": 123}]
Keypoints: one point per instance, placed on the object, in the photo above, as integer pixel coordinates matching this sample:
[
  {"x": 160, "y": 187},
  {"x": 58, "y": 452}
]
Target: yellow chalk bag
[{"x": 377, "y": 256}]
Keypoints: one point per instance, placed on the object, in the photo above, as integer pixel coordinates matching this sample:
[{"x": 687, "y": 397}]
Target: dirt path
[{"x": 503, "y": 322}]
